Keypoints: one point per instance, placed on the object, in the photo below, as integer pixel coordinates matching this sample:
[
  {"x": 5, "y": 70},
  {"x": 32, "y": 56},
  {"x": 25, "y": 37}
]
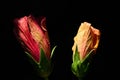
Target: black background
[{"x": 63, "y": 20}]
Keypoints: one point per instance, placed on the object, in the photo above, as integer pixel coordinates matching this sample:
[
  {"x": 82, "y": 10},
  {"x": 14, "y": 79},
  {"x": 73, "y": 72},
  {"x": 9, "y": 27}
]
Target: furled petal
[
  {"x": 26, "y": 38},
  {"x": 96, "y": 36},
  {"x": 87, "y": 38},
  {"x": 39, "y": 34}
]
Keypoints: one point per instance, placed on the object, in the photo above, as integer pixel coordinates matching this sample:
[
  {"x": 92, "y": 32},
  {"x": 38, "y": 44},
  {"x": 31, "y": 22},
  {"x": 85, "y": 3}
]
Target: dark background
[{"x": 63, "y": 21}]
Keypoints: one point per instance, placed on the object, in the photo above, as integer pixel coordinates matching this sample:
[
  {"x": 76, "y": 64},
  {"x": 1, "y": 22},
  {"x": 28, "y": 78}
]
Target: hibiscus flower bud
[
  {"x": 33, "y": 36},
  {"x": 85, "y": 43}
]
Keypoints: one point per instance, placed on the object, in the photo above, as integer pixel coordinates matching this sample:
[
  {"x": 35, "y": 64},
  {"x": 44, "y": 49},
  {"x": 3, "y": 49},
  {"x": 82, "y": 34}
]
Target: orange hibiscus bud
[
  {"x": 33, "y": 36},
  {"x": 85, "y": 43},
  {"x": 87, "y": 39}
]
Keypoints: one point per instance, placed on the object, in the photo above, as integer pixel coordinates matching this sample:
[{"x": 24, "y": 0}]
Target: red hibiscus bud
[{"x": 33, "y": 36}]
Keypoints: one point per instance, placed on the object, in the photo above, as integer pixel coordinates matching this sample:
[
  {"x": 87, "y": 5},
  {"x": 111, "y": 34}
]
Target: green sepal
[
  {"x": 80, "y": 67},
  {"x": 32, "y": 61},
  {"x": 76, "y": 62},
  {"x": 43, "y": 68},
  {"x": 88, "y": 55},
  {"x": 76, "y": 57},
  {"x": 44, "y": 65},
  {"x": 53, "y": 51}
]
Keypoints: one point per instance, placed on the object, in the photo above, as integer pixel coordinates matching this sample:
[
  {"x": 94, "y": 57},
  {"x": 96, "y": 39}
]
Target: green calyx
[
  {"x": 80, "y": 67},
  {"x": 44, "y": 66}
]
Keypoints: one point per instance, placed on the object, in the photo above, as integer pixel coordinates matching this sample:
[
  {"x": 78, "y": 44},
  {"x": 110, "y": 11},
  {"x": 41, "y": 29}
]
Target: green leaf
[{"x": 53, "y": 51}]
